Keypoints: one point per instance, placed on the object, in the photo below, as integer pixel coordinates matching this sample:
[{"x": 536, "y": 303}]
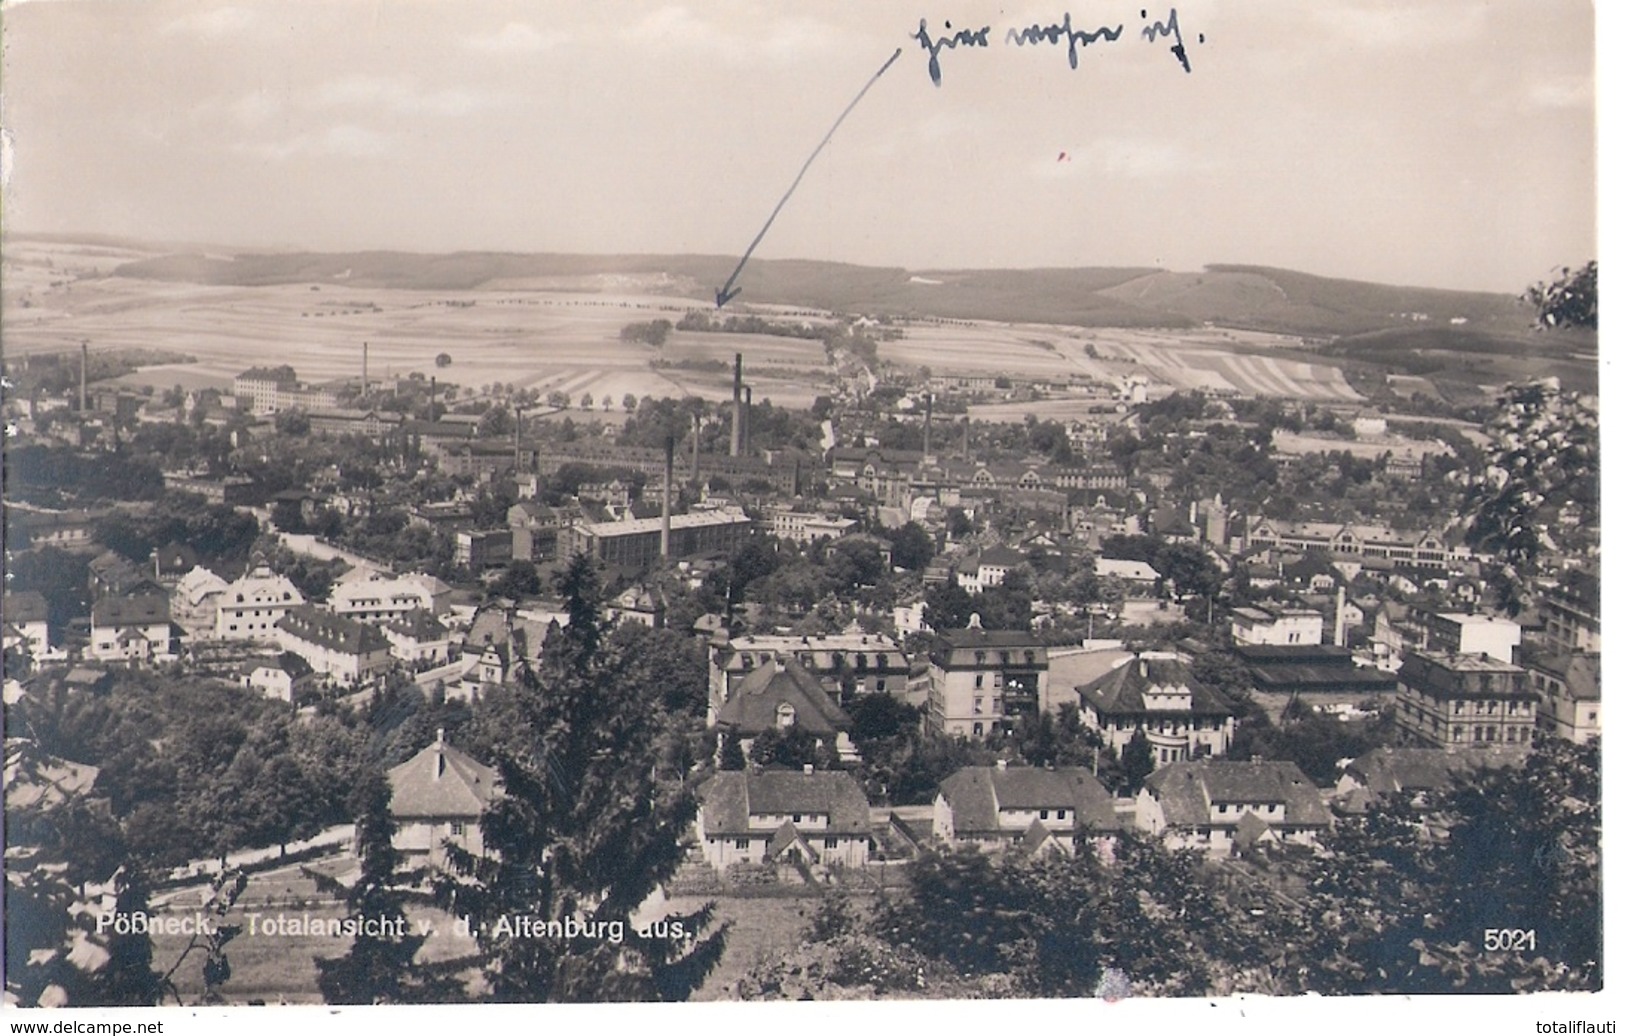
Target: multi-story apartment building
[
  {"x": 1570, "y": 687},
  {"x": 260, "y": 388},
  {"x": 380, "y": 598},
  {"x": 807, "y": 526},
  {"x": 1419, "y": 549},
  {"x": 845, "y": 664},
  {"x": 1458, "y": 633},
  {"x": 344, "y": 650},
  {"x": 983, "y": 680},
  {"x": 251, "y": 606},
  {"x": 1466, "y": 701},
  {"x": 1570, "y": 613}
]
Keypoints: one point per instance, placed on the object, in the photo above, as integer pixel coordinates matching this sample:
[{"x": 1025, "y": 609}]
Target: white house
[
  {"x": 783, "y": 816},
  {"x": 374, "y": 597},
  {"x": 996, "y": 807},
  {"x": 1220, "y": 806},
  {"x": 345, "y": 651},
  {"x": 437, "y": 797},
  {"x": 131, "y": 629},
  {"x": 1270, "y": 624},
  {"x": 252, "y": 605},
  {"x": 1182, "y": 717}
]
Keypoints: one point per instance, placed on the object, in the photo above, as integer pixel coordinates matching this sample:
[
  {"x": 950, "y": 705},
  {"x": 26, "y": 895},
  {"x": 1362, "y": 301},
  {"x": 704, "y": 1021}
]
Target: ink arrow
[{"x": 728, "y": 291}]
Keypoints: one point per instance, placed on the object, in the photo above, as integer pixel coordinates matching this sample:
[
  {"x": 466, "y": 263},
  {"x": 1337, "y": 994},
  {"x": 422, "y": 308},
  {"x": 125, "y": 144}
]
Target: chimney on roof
[
  {"x": 807, "y": 768},
  {"x": 1001, "y": 765},
  {"x": 439, "y": 752},
  {"x": 778, "y": 663}
]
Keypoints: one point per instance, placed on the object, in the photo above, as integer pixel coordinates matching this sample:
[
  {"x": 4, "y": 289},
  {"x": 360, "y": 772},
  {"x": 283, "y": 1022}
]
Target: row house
[
  {"x": 803, "y": 817},
  {"x": 1466, "y": 701},
  {"x": 1221, "y": 807},
  {"x": 418, "y": 639},
  {"x": 984, "y": 680},
  {"x": 1412, "y": 774},
  {"x": 254, "y": 603},
  {"x": 1156, "y": 693},
  {"x": 1035, "y": 810},
  {"x": 342, "y": 650}
]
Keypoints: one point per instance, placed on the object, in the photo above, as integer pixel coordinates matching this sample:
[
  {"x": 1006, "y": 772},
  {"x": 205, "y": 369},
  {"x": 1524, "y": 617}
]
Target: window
[
  {"x": 830, "y": 843},
  {"x": 795, "y": 818},
  {"x": 1224, "y": 807},
  {"x": 978, "y": 681},
  {"x": 741, "y": 843},
  {"x": 1043, "y": 814},
  {"x": 1060, "y": 814},
  {"x": 976, "y": 728},
  {"x": 880, "y": 685},
  {"x": 457, "y": 828}
]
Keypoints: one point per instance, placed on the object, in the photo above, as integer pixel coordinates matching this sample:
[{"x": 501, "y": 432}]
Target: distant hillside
[
  {"x": 1240, "y": 296},
  {"x": 1268, "y": 299}
]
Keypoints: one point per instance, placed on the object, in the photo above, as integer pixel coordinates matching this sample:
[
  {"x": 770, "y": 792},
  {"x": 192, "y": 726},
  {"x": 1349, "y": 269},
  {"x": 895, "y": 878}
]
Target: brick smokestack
[
  {"x": 364, "y": 370},
  {"x": 694, "y": 423},
  {"x": 665, "y": 501},
  {"x": 744, "y": 436},
  {"x": 739, "y": 374},
  {"x": 927, "y": 450}
]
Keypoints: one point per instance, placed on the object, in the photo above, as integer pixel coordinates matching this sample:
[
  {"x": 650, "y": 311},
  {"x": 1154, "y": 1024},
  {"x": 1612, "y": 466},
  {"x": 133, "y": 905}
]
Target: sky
[{"x": 1445, "y": 143}]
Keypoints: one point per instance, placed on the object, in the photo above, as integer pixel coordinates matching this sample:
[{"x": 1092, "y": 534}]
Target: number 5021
[{"x": 1515, "y": 940}]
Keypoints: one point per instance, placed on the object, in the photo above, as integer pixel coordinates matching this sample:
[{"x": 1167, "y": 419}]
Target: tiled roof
[
  {"x": 138, "y": 610},
  {"x": 1186, "y": 790},
  {"x": 419, "y": 625},
  {"x": 441, "y": 781},
  {"x": 334, "y": 632},
  {"x": 25, "y": 606},
  {"x": 731, "y": 797},
  {"x": 1121, "y": 692},
  {"x": 975, "y": 795},
  {"x": 1389, "y": 770},
  {"x": 42, "y": 782},
  {"x": 753, "y": 706}
]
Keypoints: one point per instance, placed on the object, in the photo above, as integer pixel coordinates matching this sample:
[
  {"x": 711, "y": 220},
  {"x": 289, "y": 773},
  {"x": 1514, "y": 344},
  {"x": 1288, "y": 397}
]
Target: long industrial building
[{"x": 636, "y": 543}]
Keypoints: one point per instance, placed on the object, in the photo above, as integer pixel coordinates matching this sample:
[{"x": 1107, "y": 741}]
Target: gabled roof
[
  {"x": 730, "y": 798},
  {"x": 1121, "y": 692},
  {"x": 1394, "y": 770},
  {"x": 1001, "y": 557},
  {"x": 35, "y": 781},
  {"x": 197, "y": 584},
  {"x": 333, "y": 632},
  {"x": 783, "y": 838},
  {"x": 418, "y": 625},
  {"x": 753, "y": 706},
  {"x": 1187, "y": 790},
  {"x": 441, "y": 781},
  {"x": 136, "y": 610},
  {"x": 1251, "y": 830},
  {"x": 25, "y": 606},
  {"x": 975, "y": 794}
]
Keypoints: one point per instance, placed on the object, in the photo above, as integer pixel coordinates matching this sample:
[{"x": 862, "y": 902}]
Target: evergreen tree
[
  {"x": 380, "y": 967},
  {"x": 1138, "y": 762},
  {"x": 731, "y": 755},
  {"x": 596, "y": 806}
]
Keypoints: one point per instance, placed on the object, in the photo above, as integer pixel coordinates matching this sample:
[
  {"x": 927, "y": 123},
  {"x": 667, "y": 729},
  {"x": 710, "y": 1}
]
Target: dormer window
[{"x": 785, "y": 714}]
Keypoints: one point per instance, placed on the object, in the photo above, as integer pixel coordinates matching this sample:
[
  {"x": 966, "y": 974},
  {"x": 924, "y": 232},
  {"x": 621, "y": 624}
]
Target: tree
[
  {"x": 912, "y": 547},
  {"x": 380, "y": 966},
  {"x": 443, "y": 360},
  {"x": 731, "y": 754},
  {"x": 1569, "y": 301},
  {"x": 597, "y": 801},
  {"x": 1138, "y": 761},
  {"x": 1545, "y": 455},
  {"x": 948, "y": 606}
]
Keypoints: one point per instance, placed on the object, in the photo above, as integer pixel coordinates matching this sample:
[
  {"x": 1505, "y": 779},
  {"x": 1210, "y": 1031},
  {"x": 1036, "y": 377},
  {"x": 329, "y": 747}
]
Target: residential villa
[
  {"x": 437, "y": 797},
  {"x": 1033, "y": 809},
  {"x": 983, "y": 680},
  {"x": 783, "y": 816},
  {"x": 1220, "y": 807},
  {"x": 253, "y": 604},
  {"x": 1155, "y": 692}
]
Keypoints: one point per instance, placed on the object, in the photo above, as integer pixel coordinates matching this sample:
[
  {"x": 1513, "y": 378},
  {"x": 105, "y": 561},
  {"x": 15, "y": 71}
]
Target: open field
[{"x": 554, "y": 323}]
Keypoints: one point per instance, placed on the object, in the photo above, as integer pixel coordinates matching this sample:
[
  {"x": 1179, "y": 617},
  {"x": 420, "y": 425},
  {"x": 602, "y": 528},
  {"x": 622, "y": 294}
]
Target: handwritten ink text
[{"x": 1053, "y": 34}]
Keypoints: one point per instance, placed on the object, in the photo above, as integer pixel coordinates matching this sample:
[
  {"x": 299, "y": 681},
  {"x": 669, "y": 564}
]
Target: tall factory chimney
[
  {"x": 694, "y": 423},
  {"x": 665, "y": 501},
  {"x": 433, "y": 386},
  {"x": 965, "y": 446},
  {"x": 927, "y": 450},
  {"x": 364, "y": 370},
  {"x": 84, "y": 373},
  {"x": 744, "y": 436},
  {"x": 1339, "y": 625},
  {"x": 739, "y": 373}
]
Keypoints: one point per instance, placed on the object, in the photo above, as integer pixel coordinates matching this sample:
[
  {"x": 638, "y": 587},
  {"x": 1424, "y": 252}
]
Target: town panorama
[{"x": 403, "y": 629}]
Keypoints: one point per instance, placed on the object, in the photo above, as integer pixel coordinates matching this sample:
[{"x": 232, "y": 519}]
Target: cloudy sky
[{"x": 1433, "y": 142}]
